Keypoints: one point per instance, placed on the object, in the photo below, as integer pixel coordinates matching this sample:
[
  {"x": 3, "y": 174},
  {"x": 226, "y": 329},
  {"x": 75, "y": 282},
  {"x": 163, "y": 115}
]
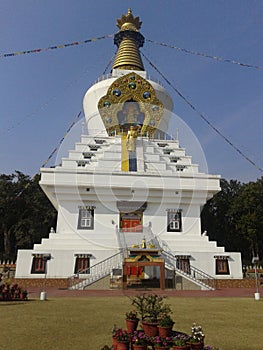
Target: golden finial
[
  {"x": 143, "y": 243},
  {"x": 128, "y": 22}
]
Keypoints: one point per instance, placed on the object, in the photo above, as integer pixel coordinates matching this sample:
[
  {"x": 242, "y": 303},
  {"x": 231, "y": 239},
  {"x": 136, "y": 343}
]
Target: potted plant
[
  {"x": 165, "y": 325},
  {"x": 150, "y": 307},
  {"x": 139, "y": 341},
  {"x": 131, "y": 321},
  {"x": 123, "y": 339},
  {"x": 114, "y": 332},
  {"x": 162, "y": 343},
  {"x": 196, "y": 341},
  {"x": 180, "y": 343}
]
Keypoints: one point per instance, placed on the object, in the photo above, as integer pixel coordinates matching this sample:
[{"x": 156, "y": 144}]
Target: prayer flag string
[
  {"x": 205, "y": 55},
  {"x": 203, "y": 117},
  {"x": 71, "y": 126},
  {"x": 107, "y": 36},
  {"x": 61, "y": 46},
  {"x": 52, "y": 153},
  {"x": 62, "y": 139},
  {"x": 108, "y": 65}
]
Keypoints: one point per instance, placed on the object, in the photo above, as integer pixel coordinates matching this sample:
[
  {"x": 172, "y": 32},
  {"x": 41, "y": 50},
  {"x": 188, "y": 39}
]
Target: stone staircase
[{"x": 92, "y": 275}]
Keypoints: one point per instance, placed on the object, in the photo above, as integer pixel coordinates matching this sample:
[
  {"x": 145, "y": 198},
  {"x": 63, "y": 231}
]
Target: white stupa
[{"x": 126, "y": 183}]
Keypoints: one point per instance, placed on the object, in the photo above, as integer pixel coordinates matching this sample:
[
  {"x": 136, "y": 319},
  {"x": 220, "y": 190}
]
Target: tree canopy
[
  {"x": 26, "y": 215},
  {"x": 234, "y": 218}
]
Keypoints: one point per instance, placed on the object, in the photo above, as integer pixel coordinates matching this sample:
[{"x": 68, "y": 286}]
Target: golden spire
[
  {"x": 129, "y": 40},
  {"x": 128, "y": 22}
]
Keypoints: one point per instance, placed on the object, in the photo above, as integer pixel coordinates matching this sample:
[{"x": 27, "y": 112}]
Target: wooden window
[
  {"x": 86, "y": 219},
  {"x": 38, "y": 265},
  {"x": 222, "y": 266},
  {"x": 183, "y": 263},
  {"x": 82, "y": 264},
  {"x": 174, "y": 221}
]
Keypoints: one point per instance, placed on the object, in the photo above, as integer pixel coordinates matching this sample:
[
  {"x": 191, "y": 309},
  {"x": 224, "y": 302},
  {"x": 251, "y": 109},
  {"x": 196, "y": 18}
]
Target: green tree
[
  {"x": 247, "y": 212},
  {"x": 216, "y": 218},
  {"x": 26, "y": 215},
  {"x": 10, "y": 206},
  {"x": 234, "y": 217}
]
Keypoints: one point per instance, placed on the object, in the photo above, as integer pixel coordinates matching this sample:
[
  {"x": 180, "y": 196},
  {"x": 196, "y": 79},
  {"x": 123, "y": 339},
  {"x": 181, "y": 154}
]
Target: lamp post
[
  {"x": 43, "y": 294},
  {"x": 255, "y": 260}
]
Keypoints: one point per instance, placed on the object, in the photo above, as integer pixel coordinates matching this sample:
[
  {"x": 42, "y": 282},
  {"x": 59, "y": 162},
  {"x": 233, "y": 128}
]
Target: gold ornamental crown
[{"x": 128, "y": 22}]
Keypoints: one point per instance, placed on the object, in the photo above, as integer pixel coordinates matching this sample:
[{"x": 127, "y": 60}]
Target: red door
[{"x": 131, "y": 225}]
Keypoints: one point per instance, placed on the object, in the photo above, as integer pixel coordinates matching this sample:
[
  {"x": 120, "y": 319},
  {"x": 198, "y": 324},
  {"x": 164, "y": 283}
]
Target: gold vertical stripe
[{"x": 124, "y": 154}]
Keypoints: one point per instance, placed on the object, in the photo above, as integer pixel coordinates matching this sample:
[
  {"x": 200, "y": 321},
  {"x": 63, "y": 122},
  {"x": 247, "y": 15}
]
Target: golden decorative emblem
[{"x": 131, "y": 101}]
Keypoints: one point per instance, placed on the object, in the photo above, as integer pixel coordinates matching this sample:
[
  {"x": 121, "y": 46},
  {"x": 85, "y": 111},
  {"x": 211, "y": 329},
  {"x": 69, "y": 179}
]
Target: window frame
[
  {"x": 183, "y": 264},
  {"x": 86, "y": 218},
  {"x": 82, "y": 262},
  {"x": 174, "y": 216},
  {"x": 222, "y": 265},
  {"x": 39, "y": 265}
]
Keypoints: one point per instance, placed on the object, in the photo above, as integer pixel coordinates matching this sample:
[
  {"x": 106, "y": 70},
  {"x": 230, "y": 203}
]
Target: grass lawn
[{"x": 85, "y": 323}]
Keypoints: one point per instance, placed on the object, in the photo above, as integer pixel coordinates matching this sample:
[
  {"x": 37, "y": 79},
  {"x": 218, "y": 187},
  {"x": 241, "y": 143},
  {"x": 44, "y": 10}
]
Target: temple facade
[{"x": 128, "y": 196}]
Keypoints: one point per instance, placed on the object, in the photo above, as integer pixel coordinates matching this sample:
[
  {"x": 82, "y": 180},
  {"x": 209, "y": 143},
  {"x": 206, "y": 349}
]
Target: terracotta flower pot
[
  {"x": 196, "y": 346},
  {"x": 139, "y": 347},
  {"x": 150, "y": 329},
  {"x": 123, "y": 345},
  {"x": 114, "y": 343},
  {"x": 165, "y": 331},
  {"x": 131, "y": 325},
  {"x": 180, "y": 347}
]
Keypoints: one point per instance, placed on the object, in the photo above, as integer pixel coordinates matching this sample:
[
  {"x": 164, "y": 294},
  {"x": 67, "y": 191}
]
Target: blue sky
[{"x": 41, "y": 93}]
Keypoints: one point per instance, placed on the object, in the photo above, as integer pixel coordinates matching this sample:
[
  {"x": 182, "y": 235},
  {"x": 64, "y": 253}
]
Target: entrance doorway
[
  {"x": 131, "y": 215},
  {"x": 131, "y": 222},
  {"x": 148, "y": 273}
]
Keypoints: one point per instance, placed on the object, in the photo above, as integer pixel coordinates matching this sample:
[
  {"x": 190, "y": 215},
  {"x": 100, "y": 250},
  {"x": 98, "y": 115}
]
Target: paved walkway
[{"x": 34, "y": 292}]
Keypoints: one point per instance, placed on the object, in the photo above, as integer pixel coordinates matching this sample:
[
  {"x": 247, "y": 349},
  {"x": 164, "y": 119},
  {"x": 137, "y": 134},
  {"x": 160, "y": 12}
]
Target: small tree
[{"x": 150, "y": 307}]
